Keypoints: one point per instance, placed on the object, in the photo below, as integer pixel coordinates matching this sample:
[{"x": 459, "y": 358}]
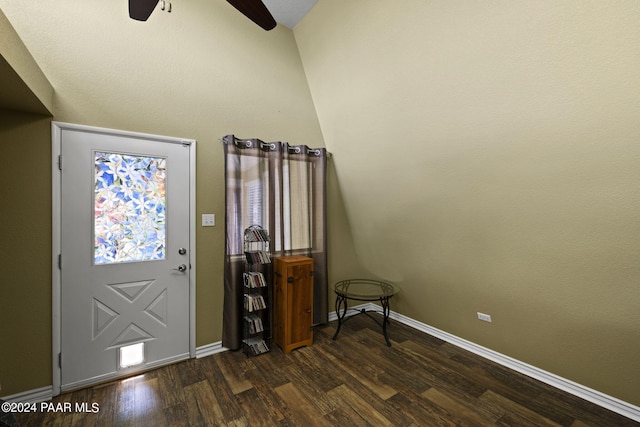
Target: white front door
[{"x": 125, "y": 253}]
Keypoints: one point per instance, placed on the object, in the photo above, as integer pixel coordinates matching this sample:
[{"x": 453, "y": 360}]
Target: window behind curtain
[
  {"x": 254, "y": 193},
  {"x": 297, "y": 205}
]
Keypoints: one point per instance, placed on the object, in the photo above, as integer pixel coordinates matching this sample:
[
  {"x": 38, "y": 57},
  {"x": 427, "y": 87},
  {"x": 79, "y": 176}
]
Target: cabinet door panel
[
  {"x": 293, "y": 302},
  {"x": 301, "y": 302}
]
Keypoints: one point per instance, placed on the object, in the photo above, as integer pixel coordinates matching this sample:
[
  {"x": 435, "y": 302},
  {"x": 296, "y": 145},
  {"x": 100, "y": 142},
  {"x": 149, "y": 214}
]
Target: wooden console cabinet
[{"x": 293, "y": 302}]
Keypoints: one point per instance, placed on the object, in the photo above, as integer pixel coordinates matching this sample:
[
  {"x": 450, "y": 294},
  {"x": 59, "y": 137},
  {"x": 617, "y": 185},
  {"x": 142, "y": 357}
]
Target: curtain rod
[{"x": 295, "y": 149}]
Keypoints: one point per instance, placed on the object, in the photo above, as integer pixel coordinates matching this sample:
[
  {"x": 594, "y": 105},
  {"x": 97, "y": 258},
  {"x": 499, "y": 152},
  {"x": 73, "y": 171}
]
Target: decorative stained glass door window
[{"x": 129, "y": 219}]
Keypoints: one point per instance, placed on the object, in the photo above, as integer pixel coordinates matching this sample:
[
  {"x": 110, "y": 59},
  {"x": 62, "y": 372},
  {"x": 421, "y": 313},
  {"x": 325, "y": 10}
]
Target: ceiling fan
[{"x": 255, "y": 10}]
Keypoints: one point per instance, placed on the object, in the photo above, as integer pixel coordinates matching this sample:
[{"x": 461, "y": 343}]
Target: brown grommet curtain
[{"x": 282, "y": 188}]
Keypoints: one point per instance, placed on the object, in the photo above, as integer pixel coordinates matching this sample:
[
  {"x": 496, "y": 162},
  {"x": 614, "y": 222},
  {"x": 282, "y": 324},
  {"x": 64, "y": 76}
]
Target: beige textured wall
[
  {"x": 200, "y": 72},
  {"x": 25, "y": 252},
  {"x": 23, "y": 84},
  {"x": 488, "y": 154}
]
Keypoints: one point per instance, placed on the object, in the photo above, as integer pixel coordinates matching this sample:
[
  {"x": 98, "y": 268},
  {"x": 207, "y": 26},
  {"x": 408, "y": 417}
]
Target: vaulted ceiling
[{"x": 289, "y": 12}]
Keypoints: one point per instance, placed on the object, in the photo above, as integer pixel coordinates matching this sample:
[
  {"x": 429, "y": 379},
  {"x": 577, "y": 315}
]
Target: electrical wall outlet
[{"x": 484, "y": 317}]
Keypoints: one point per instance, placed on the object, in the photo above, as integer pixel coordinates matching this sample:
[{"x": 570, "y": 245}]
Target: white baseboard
[
  {"x": 356, "y": 309},
  {"x": 613, "y": 404},
  {"x": 31, "y": 396},
  {"x": 210, "y": 349}
]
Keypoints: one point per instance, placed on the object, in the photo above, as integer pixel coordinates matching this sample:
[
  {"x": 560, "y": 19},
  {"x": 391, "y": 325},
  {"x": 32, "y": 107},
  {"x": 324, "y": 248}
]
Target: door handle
[{"x": 181, "y": 268}]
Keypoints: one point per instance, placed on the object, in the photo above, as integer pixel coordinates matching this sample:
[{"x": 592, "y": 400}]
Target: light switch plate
[{"x": 208, "y": 220}]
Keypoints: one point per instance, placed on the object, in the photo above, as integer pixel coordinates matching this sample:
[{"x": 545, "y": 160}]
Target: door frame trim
[{"x": 56, "y": 235}]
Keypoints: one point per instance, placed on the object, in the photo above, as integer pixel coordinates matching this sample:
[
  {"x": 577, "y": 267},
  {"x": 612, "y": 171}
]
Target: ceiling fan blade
[
  {"x": 140, "y": 10},
  {"x": 256, "y": 11}
]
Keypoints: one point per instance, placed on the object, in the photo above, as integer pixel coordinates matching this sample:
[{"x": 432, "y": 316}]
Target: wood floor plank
[
  {"x": 403, "y": 356},
  {"x": 189, "y": 372},
  {"x": 381, "y": 369},
  {"x": 233, "y": 372},
  {"x": 514, "y": 413},
  {"x": 171, "y": 395},
  {"x": 302, "y": 411},
  {"x": 570, "y": 406},
  {"x": 426, "y": 367},
  {"x": 352, "y": 379},
  {"x": 313, "y": 387},
  {"x": 256, "y": 413},
  {"x": 125, "y": 406},
  {"x": 414, "y": 412},
  {"x": 346, "y": 416},
  {"x": 514, "y": 385},
  {"x": 271, "y": 402},
  {"x": 367, "y": 412},
  {"x": 229, "y": 406},
  {"x": 311, "y": 366},
  {"x": 271, "y": 370},
  {"x": 366, "y": 374},
  {"x": 462, "y": 409},
  {"x": 206, "y": 409},
  {"x": 176, "y": 416},
  {"x": 442, "y": 372}
]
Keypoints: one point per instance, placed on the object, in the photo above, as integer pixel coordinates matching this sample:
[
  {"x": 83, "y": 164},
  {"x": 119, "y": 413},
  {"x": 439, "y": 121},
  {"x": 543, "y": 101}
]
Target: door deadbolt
[{"x": 182, "y": 251}]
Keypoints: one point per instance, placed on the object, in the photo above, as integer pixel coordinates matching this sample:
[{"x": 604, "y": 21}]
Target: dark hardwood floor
[{"x": 354, "y": 381}]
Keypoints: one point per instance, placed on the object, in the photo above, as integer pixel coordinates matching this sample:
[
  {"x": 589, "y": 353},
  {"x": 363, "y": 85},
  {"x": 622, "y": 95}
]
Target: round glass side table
[{"x": 364, "y": 290}]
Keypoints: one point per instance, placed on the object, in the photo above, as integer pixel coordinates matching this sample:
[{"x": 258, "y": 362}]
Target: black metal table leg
[
  {"x": 341, "y": 301},
  {"x": 385, "y": 314}
]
